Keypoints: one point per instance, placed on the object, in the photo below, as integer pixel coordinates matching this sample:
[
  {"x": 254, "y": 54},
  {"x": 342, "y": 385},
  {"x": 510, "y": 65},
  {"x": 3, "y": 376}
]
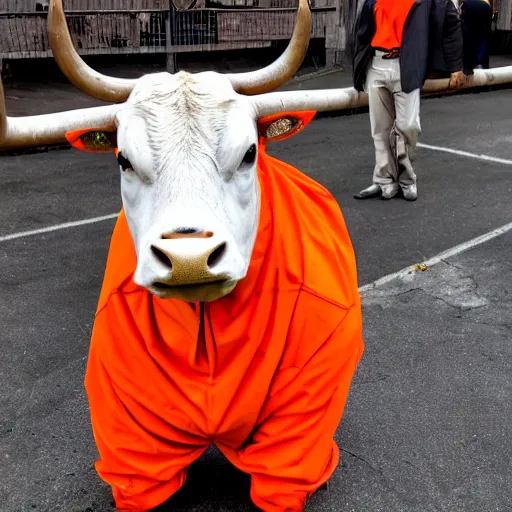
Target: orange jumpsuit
[{"x": 263, "y": 373}]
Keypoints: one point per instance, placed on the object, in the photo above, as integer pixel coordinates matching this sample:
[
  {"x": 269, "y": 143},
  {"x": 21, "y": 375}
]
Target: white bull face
[{"x": 187, "y": 153}]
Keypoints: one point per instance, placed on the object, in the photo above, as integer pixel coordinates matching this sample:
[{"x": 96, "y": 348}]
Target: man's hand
[{"x": 457, "y": 80}]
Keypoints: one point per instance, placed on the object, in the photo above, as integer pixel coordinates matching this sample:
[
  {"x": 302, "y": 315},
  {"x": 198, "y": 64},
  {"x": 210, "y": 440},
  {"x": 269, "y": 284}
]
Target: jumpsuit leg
[
  {"x": 143, "y": 470},
  {"x": 142, "y": 456},
  {"x": 292, "y": 451}
]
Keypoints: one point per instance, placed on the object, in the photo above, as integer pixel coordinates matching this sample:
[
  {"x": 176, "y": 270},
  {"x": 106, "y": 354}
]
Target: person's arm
[
  {"x": 361, "y": 37},
  {"x": 453, "y": 46},
  {"x": 364, "y": 28}
]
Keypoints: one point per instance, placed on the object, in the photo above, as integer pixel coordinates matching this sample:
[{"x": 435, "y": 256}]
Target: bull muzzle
[{"x": 190, "y": 258}]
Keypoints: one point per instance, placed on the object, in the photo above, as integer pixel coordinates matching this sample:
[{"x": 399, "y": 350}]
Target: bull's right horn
[
  {"x": 82, "y": 76},
  {"x": 46, "y": 129}
]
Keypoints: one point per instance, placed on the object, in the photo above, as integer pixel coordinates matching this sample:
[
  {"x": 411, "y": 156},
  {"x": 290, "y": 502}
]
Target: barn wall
[
  {"x": 25, "y": 36},
  {"x": 137, "y": 5},
  {"x": 87, "y": 5},
  {"x": 148, "y": 26}
]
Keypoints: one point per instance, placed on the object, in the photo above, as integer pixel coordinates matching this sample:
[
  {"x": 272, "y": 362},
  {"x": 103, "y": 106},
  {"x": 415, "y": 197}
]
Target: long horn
[
  {"x": 42, "y": 130},
  {"x": 115, "y": 90},
  {"x": 285, "y": 67},
  {"x": 340, "y": 99},
  {"x": 82, "y": 76},
  {"x": 322, "y": 100}
]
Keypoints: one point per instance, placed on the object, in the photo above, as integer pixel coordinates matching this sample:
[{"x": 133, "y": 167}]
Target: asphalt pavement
[{"x": 428, "y": 422}]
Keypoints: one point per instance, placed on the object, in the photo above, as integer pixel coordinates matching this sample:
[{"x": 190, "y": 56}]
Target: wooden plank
[
  {"x": 15, "y": 42},
  {"x": 145, "y": 50},
  {"x": 504, "y": 8},
  {"x": 4, "y": 39},
  {"x": 40, "y": 35},
  {"x": 21, "y": 36},
  {"x": 263, "y": 25}
]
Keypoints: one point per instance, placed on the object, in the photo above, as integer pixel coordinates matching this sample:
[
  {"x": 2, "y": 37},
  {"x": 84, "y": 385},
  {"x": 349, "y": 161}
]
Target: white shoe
[
  {"x": 410, "y": 192},
  {"x": 389, "y": 191}
]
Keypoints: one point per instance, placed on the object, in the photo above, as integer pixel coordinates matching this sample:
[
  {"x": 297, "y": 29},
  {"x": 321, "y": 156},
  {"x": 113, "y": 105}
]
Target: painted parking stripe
[
  {"x": 465, "y": 153},
  {"x": 57, "y": 227},
  {"x": 449, "y": 253},
  {"x": 458, "y": 249}
]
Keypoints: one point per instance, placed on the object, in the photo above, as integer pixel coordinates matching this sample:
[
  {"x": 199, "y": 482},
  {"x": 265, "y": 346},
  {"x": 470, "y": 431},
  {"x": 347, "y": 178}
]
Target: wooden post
[
  {"x": 335, "y": 40},
  {"x": 170, "y": 62},
  {"x": 337, "y": 32},
  {"x": 504, "y": 8}
]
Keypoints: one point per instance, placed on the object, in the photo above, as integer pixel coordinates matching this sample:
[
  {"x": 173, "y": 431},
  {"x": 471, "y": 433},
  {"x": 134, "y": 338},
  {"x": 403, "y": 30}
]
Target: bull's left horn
[
  {"x": 285, "y": 67},
  {"x": 82, "y": 76}
]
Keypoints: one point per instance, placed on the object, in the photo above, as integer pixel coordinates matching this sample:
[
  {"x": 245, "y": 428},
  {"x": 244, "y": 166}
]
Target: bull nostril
[
  {"x": 162, "y": 257},
  {"x": 216, "y": 255},
  {"x": 186, "y": 231}
]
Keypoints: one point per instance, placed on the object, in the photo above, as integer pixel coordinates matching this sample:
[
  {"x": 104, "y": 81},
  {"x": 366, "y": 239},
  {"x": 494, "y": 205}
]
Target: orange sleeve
[{"x": 292, "y": 451}]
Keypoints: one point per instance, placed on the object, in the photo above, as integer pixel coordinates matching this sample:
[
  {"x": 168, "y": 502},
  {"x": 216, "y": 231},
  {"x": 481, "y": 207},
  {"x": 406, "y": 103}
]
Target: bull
[{"x": 229, "y": 311}]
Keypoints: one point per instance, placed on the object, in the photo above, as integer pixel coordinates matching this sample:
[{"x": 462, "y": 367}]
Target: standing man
[
  {"x": 476, "y": 17},
  {"x": 396, "y": 44}
]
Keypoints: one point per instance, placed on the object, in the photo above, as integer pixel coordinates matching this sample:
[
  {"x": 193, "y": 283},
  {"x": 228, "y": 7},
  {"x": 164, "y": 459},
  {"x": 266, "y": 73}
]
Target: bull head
[{"x": 187, "y": 148}]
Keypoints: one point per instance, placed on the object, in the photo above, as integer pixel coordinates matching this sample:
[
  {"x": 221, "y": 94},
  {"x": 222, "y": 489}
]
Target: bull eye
[
  {"x": 124, "y": 162},
  {"x": 250, "y": 156}
]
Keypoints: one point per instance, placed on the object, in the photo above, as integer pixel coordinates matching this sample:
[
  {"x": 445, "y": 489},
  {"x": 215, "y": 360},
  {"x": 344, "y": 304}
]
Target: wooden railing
[{"x": 24, "y": 35}]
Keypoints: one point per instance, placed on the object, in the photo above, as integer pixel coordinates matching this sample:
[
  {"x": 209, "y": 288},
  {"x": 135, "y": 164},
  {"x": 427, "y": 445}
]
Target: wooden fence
[{"x": 24, "y": 35}]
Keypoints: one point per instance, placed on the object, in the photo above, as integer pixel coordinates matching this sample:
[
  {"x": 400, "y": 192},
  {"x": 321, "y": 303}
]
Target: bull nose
[{"x": 190, "y": 255}]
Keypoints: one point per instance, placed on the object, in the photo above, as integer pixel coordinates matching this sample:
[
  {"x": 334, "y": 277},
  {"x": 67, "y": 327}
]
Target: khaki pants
[{"x": 395, "y": 123}]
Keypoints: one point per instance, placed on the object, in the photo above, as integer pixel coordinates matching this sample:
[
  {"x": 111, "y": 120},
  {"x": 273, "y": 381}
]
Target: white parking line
[
  {"x": 379, "y": 282},
  {"x": 458, "y": 249},
  {"x": 57, "y": 227},
  {"x": 465, "y": 153}
]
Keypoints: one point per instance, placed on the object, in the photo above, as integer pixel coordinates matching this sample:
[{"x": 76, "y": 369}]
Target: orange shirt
[
  {"x": 390, "y": 17},
  {"x": 263, "y": 373}
]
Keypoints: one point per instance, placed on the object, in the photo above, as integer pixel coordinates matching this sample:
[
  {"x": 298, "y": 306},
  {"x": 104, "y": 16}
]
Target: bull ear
[
  {"x": 93, "y": 141},
  {"x": 283, "y": 126}
]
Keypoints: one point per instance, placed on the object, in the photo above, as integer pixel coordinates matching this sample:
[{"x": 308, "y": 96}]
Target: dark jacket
[{"x": 432, "y": 41}]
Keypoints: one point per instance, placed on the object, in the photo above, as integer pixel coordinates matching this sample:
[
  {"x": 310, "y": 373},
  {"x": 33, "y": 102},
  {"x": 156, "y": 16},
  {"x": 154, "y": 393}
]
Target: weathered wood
[
  {"x": 16, "y": 6},
  {"x": 262, "y": 25},
  {"x": 98, "y": 33},
  {"x": 504, "y": 8}
]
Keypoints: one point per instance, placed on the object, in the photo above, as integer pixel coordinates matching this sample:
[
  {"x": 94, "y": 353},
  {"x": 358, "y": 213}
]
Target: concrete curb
[{"x": 317, "y": 74}]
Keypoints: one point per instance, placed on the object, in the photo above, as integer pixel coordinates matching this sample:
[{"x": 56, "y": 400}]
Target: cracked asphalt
[{"x": 428, "y": 423}]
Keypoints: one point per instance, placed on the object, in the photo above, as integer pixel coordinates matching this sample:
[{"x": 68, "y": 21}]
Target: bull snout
[{"x": 190, "y": 256}]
